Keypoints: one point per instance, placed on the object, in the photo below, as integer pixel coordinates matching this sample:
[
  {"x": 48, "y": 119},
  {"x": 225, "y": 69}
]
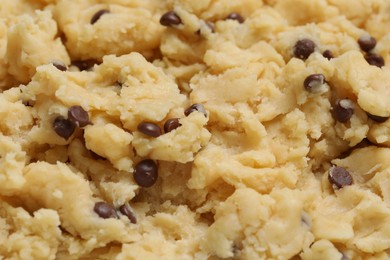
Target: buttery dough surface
[{"x": 266, "y": 122}]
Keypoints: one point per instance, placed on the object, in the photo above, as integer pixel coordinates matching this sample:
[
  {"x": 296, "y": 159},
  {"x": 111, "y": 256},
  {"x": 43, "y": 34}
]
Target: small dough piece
[
  {"x": 368, "y": 83},
  {"x": 25, "y": 49},
  {"x": 52, "y": 186},
  {"x": 130, "y": 26},
  {"x": 179, "y": 145},
  {"x": 321, "y": 249},
  {"x": 99, "y": 139}
]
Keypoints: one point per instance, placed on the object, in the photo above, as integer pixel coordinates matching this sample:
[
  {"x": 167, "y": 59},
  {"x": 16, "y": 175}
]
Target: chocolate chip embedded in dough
[
  {"x": 146, "y": 173},
  {"x": 328, "y": 54},
  {"x": 98, "y": 15},
  {"x": 343, "y": 110},
  {"x": 314, "y": 83},
  {"x": 84, "y": 64},
  {"x": 235, "y": 16},
  {"x": 104, "y": 210},
  {"x": 379, "y": 119},
  {"x": 60, "y": 65},
  {"x": 78, "y": 116},
  {"x": 375, "y": 59},
  {"x": 149, "y": 129},
  {"x": 171, "y": 124},
  {"x": 195, "y": 107},
  {"x": 303, "y": 48},
  {"x": 339, "y": 176},
  {"x": 63, "y": 127},
  {"x": 170, "y": 19},
  {"x": 367, "y": 43},
  {"x": 126, "y": 210}
]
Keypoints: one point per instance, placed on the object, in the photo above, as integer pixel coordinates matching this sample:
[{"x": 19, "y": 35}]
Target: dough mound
[{"x": 208, "y": 129}]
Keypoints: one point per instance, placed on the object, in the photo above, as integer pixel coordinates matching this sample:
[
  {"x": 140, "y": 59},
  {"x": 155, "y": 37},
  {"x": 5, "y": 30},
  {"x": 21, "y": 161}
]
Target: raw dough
[{"x": 248, "y": 178}]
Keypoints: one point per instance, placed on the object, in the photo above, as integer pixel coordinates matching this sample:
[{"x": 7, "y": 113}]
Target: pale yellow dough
[{"x": 248, "y": 180}]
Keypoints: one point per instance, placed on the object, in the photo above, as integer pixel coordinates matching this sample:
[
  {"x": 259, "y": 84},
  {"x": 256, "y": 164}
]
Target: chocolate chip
[
  {"x": 303, "y": 48},
  {"x": 339, "y": 177},
  {"x": 375, "y": 60},
  {"x": 150, "y": 129},
  {"x": 379, "y": 119},
  {"x": 314, "y": 83},
  {"x": 343, "y": 110},
  {"x": 367, "y": 43},
  {"x": 78, "y": 116},
  {"x": 170, "y": 19},
  {"x": 235, "y": 16},
  {"x": 84, "y": 64},
  {"x": 195, "y": 107},
  {"x": 328, "y": 54},
  {"x": 171, "y": 124},
  {"x": 63, "y": 127},
  {"x": 128, "y": 212},
  {"x": 98, "y": 14},
  {"x": 146, "y": 173},
  {"x": 59, "y": 65},
  {"x": 104, "y": 210}
]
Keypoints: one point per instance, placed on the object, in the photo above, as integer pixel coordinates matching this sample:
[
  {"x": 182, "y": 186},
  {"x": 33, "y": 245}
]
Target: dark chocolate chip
[
  {"x": 314, "y": 83},
  {"x": 328, "y": 54},
  {"x": 339, "y": 176},
  {"x": 59, "y": 65},
  {"x": 170, "y": 19},
  {"x": 303, "y": 48},
  {"x": 375, "y": 59},
  {"x": 150, "y": 129},
  {"x": 343, "y": 110},
  {"x": 379, "y": 119},
  {"x": 63, "y": 127},
  {"x": 367, "y": 43},
  {"x": 99, "y": 14},
  {"x": 195, "y": 107},
  {"x": 78, "y": 116},
  {"x": 128, "y": 212},
  {"x": 104, "y": 210},
  {"x": 171, "y": 124},
  {"x": 146, "y": 173},
  {"x": 84, "y": 64},
  {"x": 235, "y": 16}
]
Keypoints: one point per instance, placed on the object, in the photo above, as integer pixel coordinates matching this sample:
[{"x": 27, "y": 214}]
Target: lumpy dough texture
[{"x": 244, "y": 145}]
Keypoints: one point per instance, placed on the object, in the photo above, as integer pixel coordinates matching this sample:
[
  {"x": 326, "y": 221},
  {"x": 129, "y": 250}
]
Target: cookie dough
[{"x": 209, "y": 129}]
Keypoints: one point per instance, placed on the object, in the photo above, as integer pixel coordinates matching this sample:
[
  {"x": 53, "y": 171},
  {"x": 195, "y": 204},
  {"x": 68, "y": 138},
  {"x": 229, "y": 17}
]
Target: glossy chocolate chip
[
  {"x": 303, "y": 48},
  {"x": 375, "y": 59},
  {"x": 314, "y": 83},
  {"x": 340, "y": 177},
  {"x": 60, "y": 65},
  {"x": 149, "y": 129},
  {"x": 146, "y": 173},
  {"x": 343, "y": 110},
  {"x": 128, "y": 212},
  {"x": 195, "y": 107},
  {"x": 98, "y": 15},
  {"x": 367, "y": 43},
  {"x": 78, "y": 116},
  {"x": 63, "y": 127},
  {"x": 104, "y": 210},
  {"x": 170, "y": 19},
  {"x": 235, "y": 16},
  {"x": 328, "y": 54},
  {"x": 379, "y": 119},
  {"x": 171, "y": 124}
]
